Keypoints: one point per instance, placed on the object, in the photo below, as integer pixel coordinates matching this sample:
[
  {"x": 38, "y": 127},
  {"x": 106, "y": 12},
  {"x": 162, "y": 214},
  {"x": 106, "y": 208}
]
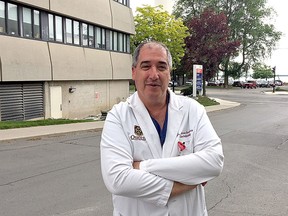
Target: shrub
[{"x": 188, "y": 91}]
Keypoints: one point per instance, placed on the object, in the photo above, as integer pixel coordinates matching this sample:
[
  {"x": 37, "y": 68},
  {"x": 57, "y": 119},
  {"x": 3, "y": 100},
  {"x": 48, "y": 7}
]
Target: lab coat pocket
[
  {"x": 141, "y": 150},
  {"x": 185, "y": 146}
]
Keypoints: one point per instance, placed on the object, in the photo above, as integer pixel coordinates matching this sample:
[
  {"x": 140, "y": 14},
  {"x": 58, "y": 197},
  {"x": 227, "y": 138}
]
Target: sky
[
  {"x": 168, "y": 4},
  {"x": 279, "y": 56}
]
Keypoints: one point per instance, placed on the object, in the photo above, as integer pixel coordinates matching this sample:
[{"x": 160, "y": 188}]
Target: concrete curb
[
  {"x": 223, "y": 105},
  {"x": 30, "y": 132}
]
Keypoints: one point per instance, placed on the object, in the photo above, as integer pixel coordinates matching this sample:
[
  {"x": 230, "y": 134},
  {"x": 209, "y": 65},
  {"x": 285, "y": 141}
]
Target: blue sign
[{"x": 199, "y": 81}]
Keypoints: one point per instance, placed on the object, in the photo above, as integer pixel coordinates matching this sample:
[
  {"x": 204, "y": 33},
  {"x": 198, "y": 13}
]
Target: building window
[
  {"x": 128, "y": 45},
  {"x": 68, "y": 33},
  {"x": 124, "y": 2},
  {"x": 2, "y": 17},
  {"x": 84, "y": 34},
  {"x": 12, "y": 19},
  {"x": 91, "y": 36},
  {"x": 31, "y": 23},
  {"x": 98, "y": 37},
  {"x": 120, "y": 38},
  {"x": 51, "y": 26},
  {"x": 124, "y": 43},
  {"x": 59, "y": 28},
  {"x": 27, "y": 22},
  {"x": 103, "y": 39},
  {"x": 115, "y": 41},
  {"x": 76, "y": 32},
  {"x": 109, "y": 37},
  {"x": 36, "y": 24}
]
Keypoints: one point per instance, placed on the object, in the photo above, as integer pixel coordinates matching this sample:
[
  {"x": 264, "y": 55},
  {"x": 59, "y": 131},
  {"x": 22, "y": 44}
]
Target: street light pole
[{"x": 274, "y": 74}]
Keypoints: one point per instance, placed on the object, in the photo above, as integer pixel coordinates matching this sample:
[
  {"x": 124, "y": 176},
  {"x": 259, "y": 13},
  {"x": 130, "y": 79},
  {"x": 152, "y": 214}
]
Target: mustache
[{"x": 153, "y": 83}]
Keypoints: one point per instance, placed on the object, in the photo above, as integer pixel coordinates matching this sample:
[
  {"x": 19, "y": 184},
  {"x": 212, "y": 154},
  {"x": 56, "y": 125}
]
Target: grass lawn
[
  {"x": 206, "y": 101},
  {"x": 21, "y": 124}
]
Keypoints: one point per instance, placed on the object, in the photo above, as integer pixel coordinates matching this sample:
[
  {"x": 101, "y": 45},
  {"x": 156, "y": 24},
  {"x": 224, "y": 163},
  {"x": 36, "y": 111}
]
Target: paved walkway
[{"x": 30, "y": 132}]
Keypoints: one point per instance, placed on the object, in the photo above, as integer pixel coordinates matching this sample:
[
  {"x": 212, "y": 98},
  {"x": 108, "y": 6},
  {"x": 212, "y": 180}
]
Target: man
[{"x": 158, "y": 149}]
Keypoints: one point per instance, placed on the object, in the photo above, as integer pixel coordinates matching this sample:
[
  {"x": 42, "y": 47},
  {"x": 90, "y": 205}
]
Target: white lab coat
[{"x": 130, "y": 135}]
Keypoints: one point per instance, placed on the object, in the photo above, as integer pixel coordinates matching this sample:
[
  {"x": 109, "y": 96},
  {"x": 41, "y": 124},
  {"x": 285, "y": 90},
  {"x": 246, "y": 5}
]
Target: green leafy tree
[
  {"x": 153, "y": 23},
  {"x": 247, "y": 20},
  {"x": 261, "y": 71}
]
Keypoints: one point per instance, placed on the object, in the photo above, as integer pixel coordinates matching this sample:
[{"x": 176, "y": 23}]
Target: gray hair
[{"x": 139, "y": 47}]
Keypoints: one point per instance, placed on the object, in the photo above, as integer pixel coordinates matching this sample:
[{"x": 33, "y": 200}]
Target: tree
[
  {"x": 247, "y": 20},
  {"x": 262, "y": 71},
  {"x": 208, "y": 43},
  {"x": 153, "y": 23}
]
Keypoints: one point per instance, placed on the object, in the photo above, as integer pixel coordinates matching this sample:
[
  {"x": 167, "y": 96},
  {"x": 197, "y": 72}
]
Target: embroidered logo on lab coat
[
  {"x": 138, "y": 134},
  {"x": 137, "y": 130}
]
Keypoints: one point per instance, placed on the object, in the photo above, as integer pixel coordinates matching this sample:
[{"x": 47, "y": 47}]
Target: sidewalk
[
  {"x": 276, "y": 92},
  {"x": 30, "y": 132}
]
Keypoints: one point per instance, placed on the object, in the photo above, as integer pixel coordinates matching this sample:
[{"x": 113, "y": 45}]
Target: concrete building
[{"x": 63, "y": 59}]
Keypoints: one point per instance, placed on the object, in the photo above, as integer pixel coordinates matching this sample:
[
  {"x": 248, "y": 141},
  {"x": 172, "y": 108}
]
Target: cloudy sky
[{"x": 279, "y": 57}]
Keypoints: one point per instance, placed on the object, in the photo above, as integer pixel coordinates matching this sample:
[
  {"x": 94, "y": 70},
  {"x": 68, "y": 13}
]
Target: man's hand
[
  {"x": 136, "y": 164},
  {"x": 179, "y": 188}
]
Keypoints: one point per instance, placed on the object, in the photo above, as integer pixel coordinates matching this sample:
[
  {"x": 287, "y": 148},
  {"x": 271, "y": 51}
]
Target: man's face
[{"x": 152, "y": 73}]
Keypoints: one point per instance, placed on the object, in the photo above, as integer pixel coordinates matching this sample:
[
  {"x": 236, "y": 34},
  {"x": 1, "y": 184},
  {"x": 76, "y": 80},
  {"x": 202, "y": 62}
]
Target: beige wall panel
[
  {"x": 24, "y": 60},
  {"x": 77, "y": 63},
  {"x": 37, "y": 3},
  {"x": 89, "y": 98},
  {"x": 119, "y": 91},
  {"x": 98, "y": 64},
  {"x": 122, "y": 17},
  {"x": 94, "y": 11},
  {"x": 122, "y": 65},
  {"x": 68, "y": 62}
]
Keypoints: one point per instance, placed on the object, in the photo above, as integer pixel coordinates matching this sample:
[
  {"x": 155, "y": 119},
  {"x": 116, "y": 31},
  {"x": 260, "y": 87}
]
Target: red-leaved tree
[{"x": 208, "y": 43}]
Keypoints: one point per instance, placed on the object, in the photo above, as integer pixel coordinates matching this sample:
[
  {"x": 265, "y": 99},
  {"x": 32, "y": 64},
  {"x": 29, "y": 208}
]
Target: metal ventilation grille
[{"x": 21, "y": 101}]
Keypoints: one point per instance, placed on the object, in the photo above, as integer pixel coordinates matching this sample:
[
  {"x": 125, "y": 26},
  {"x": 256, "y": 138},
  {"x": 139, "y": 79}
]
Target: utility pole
[{"x": 274, "y": 74}]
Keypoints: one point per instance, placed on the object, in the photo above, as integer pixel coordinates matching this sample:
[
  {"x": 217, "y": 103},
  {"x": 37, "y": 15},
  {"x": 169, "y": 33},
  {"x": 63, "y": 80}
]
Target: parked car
[
  {"x": 278, "y": 83},
  {"x": 263, "y": 83},
  {"x": 171, "y": 83},
  {"x": 212, "y": 83},
  {"x": 250, "y": 84},
  {"x": 238, "y": 84},
  {"x": 189, "y": 82}
]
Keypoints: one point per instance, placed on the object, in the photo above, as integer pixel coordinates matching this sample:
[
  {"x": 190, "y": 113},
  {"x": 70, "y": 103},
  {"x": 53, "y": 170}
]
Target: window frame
[
  {"x": 4, "y": 27},
  {"x": 34, "y": 25},
  {"x": 66, "y": 33},
  {"x": 30, "y": 35},
  {"x": 58, "y": 20},
  {"x": 17, "y": 33}
]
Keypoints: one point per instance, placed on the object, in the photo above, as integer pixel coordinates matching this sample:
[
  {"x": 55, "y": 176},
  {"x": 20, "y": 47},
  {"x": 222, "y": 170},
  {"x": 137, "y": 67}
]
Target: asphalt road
[
  {"x": 60, "y": 175},
  {"x": 255, "y": 140}
]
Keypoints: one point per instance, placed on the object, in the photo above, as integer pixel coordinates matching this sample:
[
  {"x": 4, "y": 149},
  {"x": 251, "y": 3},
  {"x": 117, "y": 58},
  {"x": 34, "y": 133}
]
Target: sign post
[{"x": 197, "y": 79}]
